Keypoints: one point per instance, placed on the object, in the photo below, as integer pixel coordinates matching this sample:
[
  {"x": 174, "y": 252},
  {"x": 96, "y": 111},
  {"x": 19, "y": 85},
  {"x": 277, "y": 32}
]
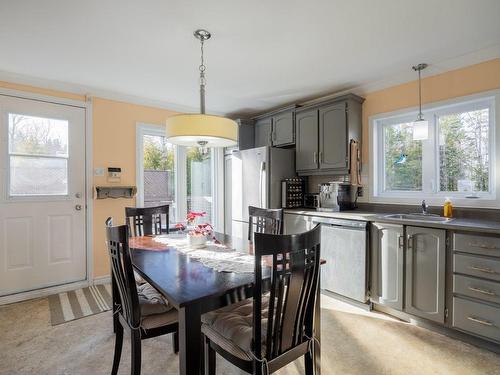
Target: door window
[
  {"x": 199, "y": 182},
  {"x": 38, "y": 155},
  {"x": 159, "y": 173}
]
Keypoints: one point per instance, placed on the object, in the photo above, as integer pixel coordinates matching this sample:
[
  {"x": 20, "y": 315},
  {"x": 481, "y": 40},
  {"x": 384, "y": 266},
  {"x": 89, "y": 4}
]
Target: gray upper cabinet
[
  {"x": 387, "y": 254},
  {"x": 263, "y": 127},
  {"x": 246, "y": 136},
  {"x": 283, "y": 130},
  {"x": 425, "y": 273},
  {"x": 338, "y": 121},
  {"x": 306, "y": 148},
  {"x": 333, "y": 136}
]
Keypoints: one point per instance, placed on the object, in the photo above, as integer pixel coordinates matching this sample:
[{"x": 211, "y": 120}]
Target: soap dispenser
[{"x": 447, "y": 208}]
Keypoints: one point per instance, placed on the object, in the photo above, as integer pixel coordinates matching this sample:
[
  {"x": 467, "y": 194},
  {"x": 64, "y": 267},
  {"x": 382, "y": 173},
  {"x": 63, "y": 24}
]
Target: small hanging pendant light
[
  {"x": 201, "y": 130},
  {"x": 420, "y": 125}
]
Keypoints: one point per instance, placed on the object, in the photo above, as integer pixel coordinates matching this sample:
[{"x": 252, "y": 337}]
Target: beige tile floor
[{"x": 353, "y": 342}]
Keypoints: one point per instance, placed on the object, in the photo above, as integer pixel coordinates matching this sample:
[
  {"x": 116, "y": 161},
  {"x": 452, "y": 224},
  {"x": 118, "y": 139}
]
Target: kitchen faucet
[{"x": 425, "y": 206}]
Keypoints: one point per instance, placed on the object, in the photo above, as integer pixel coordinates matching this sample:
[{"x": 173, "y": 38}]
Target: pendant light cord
[
  {"x": 420, "y": 116},
  {"x": 203, "y": 81},
  {"x": 418, "y": 68}
]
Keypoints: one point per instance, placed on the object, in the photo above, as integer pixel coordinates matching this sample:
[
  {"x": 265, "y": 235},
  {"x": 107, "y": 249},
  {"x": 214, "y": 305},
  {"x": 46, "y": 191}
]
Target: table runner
[{"x": 213, "y": 255}]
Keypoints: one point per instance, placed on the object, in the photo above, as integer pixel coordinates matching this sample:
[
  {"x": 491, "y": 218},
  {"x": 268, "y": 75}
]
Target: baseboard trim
[
  {"x": 40, "y": 293},
  {"x": 45, "y": 292},
  {"x": 367, "y": 306},
  {"x": 102, "y": 280}
]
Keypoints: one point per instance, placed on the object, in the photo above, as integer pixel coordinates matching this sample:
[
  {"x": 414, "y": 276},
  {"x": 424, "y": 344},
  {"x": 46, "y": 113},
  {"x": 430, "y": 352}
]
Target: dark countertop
[{"x": 462, "y": 224}]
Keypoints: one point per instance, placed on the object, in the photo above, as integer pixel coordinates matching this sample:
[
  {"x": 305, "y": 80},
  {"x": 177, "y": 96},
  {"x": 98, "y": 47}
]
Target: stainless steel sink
[{"x": 419, "y": 217}]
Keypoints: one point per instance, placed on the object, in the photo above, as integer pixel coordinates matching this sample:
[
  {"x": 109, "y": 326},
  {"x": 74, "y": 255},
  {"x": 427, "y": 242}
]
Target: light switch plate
[{"x": 99, "y": 172}]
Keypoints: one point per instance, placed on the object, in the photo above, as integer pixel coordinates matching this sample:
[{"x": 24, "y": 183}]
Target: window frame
[
  {"x": 430, "y": 152},
  {"x": 15, "y": 198},
  {"x": 143, "y": 129}
]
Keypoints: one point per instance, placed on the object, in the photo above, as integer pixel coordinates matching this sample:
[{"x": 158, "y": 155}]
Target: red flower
[{"x": 191, "y": 216}]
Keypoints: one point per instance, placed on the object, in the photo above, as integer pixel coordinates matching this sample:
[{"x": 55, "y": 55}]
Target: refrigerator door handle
[{"x": 261, "y": 175}]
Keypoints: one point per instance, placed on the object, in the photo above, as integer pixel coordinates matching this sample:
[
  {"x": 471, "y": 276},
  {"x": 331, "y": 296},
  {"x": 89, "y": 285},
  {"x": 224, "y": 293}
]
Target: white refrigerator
[{"x": 253, "y": 178}]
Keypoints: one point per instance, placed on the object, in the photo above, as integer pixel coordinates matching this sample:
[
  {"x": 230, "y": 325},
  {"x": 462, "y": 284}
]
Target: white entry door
[{"x": 42, "y": 202}]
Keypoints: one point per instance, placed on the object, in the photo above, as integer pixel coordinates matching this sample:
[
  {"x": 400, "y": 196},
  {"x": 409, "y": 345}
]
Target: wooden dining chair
[
  {"x": 263, "y": 334},
  {"x": 133, "y": 315},
  {"x": 144, "y": 221},
  {"x": 263, "y": 220}
]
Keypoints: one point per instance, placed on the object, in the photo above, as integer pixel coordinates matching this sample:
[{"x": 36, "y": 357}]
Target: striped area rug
[{"x": 76, "y": 304}]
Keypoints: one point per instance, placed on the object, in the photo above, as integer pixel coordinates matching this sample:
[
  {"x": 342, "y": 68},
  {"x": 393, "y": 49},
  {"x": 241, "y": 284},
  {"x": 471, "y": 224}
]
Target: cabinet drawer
[
  {"x": 476, "y": 318},
  {"x": 476, "y": 244},
  {"x": 477, "y": 266},
  {"x": 481, "y": 289}
]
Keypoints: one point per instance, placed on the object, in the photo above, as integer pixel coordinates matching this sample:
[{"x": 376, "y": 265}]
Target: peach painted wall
[
  {"x": 455, "y": 83},
  {"x": 114, "y": 145}
]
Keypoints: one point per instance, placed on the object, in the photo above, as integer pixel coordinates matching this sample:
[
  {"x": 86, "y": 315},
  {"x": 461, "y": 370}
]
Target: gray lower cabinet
[
  {"x": 387, "y": 265},
  {"x": 263, "y": 128},
  {"x": 306, "y": 147},
  {"x": 477, "y": 318},
  {"x": 425, "y": 273},
  {"x": 333, "y": 137}
]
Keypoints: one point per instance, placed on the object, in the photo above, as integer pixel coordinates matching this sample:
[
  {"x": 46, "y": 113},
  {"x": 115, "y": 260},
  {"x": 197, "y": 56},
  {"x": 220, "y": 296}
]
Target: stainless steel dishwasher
[{"x": 344, "y": 247}]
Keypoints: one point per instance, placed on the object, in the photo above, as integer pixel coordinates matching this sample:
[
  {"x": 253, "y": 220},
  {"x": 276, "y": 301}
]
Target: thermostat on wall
[{"x": 114, "y": 174}]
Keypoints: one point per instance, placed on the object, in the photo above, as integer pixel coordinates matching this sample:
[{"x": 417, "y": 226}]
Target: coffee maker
[{"x": 337, "y": 196}]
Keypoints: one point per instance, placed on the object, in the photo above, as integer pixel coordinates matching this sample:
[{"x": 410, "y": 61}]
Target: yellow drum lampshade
[{"x": 201, "y": 130}]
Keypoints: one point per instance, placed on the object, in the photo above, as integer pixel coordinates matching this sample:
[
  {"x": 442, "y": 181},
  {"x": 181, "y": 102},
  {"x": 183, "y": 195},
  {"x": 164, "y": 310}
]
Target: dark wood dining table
[{"x": 194, "y": 289}]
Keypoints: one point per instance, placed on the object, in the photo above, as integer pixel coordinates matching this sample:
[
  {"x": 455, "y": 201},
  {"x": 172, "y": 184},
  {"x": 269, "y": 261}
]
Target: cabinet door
[
  {"x": 263, "y": 132},
  {"x": 333, "y": 137},
  {"x": 425, "y": 273},
  {"x": 283, "y": 129},
  {"x": 306, "y": 151},
  {"x": 387, "y": 247}
]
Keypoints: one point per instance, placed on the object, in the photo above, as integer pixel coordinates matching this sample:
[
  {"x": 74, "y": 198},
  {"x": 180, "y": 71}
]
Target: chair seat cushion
[
  {"x": 139, "y": 280},
  {"x": 159, "y": 320},
  {"x": 231, "y": 327},
  {"x": 151, "y": 301}
]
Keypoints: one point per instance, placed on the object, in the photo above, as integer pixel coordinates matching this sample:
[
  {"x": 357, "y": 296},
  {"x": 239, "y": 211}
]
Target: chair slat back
[
  {"x": 121, "y": 267},
  {"x": 262, "y": 220},
  {"x": 144, "y": 221},
  {"x": 294, "y": 283}
]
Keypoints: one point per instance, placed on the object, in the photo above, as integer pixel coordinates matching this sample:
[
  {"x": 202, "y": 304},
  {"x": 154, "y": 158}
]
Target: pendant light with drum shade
[
  {"x": 420, "y": 125},
  {"x": 200, "y": 129}
]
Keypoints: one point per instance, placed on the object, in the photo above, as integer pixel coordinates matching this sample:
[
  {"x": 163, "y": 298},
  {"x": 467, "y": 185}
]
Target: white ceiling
[{"x": 262, "y": 54}]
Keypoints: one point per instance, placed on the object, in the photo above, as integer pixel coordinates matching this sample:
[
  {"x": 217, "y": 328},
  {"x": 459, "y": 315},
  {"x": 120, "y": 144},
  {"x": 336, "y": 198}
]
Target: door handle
[
  {"x": 321, "y": 157},
  {"x": 483, "y": 269},
  {"x": 78, "y": 207},
  {"x": 400, "y": 241},
  {"x": 481, "y": 321},
  {"x": 315, "y": 157},
  {"x": 261, "y": 190},
  {"x": 410, "y": 242},
  {"x": 482, "y": 291}
]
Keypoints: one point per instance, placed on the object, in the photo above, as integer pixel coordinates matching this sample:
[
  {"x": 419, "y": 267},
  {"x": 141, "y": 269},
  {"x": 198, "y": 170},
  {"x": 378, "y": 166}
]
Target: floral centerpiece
[{"x": 199, "y": 234}]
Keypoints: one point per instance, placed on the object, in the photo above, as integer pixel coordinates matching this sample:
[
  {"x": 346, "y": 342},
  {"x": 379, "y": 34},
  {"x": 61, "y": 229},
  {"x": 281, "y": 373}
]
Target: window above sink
[{"x": 457, "y": 159}]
